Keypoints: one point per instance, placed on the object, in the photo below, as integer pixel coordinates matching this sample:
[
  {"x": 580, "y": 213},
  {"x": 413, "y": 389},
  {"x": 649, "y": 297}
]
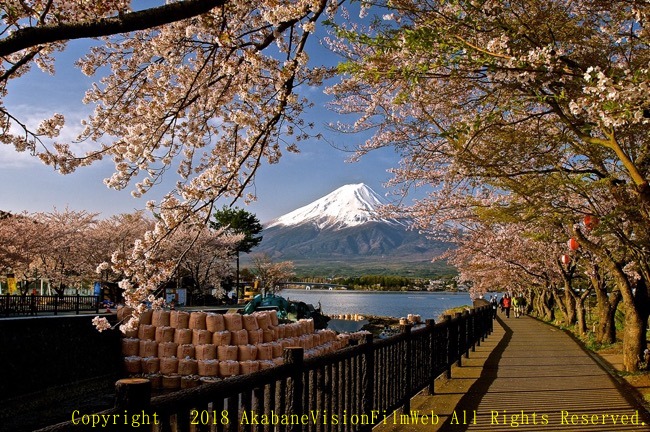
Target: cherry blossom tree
[
  {"x": 630, "y": 279},
  {"x": 117, "y": 233},
  {"x": 269, "y": 273},
  {"x": 539, "y": 100},
  {"x": 21, "y": 244},
  {"x": 53, "y": 246},
  {"x": 543, "y": 101},
  {"x": 206, "y": 256},
  {"x": 62, "y": 257},
  {"x": 196, "y": 92},
  {"x": 205, "y": 88},
  {"x": 507, "y": 258}
]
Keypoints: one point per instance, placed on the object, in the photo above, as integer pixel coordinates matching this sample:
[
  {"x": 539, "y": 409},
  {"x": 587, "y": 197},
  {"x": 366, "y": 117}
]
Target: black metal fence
[
  {"x": 349, "y": 390},
  {"x": 21, "y": 305}
]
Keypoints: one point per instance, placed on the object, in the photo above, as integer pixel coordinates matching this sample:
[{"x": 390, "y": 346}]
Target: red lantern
[
  {"x": 590, "y": 222},
  {"x": 566, "y": 259},
  {"x": 573, "y": 244}
]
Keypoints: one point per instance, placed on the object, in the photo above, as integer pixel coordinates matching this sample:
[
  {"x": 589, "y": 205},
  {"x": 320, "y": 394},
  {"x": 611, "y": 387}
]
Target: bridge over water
[{"x": 312, "y": 285}]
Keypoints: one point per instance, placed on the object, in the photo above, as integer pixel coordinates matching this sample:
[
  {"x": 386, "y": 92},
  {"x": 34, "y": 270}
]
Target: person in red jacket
[{"x": 507, "y": 302}]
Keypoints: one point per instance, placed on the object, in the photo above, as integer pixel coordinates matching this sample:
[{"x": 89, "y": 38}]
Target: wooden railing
[
  {"x": 349, "y": 390},
  {"x": 18, "y": 305}
]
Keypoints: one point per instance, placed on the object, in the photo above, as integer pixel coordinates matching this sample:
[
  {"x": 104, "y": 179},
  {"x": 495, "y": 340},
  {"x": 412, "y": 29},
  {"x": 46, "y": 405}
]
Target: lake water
[{"x": 394, "y": 304}]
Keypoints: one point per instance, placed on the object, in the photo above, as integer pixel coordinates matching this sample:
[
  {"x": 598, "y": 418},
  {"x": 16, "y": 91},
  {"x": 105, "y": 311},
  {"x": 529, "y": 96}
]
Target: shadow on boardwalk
[
  {"x": 470, "y": 401},
  {"x": 527, "y": 376}
]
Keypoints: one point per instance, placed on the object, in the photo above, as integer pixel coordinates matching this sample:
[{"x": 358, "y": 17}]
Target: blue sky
[{"x": 298, "y": 179}]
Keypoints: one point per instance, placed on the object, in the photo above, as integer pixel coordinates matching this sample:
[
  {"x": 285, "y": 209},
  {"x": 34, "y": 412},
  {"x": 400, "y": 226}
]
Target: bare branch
[{"x": 124, "y": 23}]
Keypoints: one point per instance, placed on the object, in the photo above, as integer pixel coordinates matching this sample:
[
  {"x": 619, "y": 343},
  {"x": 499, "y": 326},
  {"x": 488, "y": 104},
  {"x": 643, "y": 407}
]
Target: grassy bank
[{"x": 414, "y": 269}]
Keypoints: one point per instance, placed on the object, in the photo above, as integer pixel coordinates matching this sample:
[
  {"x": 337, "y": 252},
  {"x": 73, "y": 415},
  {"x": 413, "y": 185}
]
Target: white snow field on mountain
[
  {"x": 348, "y": 206},
  {"x": 344, "y": 229}
]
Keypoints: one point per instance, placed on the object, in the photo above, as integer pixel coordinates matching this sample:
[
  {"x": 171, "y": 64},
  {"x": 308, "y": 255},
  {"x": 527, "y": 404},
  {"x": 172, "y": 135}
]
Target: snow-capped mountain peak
[{"x": 347, "y": 206}]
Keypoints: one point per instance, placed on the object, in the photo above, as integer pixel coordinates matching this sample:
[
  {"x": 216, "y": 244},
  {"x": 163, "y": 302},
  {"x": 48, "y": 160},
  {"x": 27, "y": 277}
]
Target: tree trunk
[
  {"x": 581, "y": 311},
  {"x": 607, "y": 305},
  {"x": 560, "y": 301},
  {"x": 533, "y": 302},
  {"x": 581, "y": 321},
  {"x": 544, "y": 305},
  {"x": 570, "y": 317},
  {"x": 642, "y": 306},
  {"x": 529, "y": 295},
  {"x": 633, "y": 339}
]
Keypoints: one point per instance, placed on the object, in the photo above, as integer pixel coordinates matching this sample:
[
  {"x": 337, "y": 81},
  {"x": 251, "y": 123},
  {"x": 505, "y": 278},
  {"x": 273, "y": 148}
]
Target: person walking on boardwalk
[
  {"x": 495, "y": 305},
  {"x": 507, "y": 303},
  {"x": 515, "y": 306},
  {"x": 521, "y": 305}
]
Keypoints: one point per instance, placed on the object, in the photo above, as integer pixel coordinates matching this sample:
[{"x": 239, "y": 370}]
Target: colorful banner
[{"x": 11, "y": 284}]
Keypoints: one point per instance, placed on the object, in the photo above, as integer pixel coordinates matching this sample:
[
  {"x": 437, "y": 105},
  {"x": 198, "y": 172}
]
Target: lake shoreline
[{"x": 395, "y": 304}]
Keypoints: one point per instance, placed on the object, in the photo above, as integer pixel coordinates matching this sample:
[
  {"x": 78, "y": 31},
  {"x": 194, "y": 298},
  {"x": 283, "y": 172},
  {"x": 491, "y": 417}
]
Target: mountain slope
[
  {"x": 345, "y": 225},
  {"x": 348, "y": 206}
]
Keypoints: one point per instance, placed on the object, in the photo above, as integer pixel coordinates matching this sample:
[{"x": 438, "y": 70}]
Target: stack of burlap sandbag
[{"x": 179, "y": 349}]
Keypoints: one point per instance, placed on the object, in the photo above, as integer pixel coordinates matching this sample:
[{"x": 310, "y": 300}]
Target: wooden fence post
[
  {"x": 133, "y": 394},
  {"x": 459, "y": 335},
  {"x": 466, "y": 332},
  {"x": 294, "y": 356},
  {"x": 449, "y": 344},
  {"x": 33, "y": 306},
  {"x": 430, "y": 323},
  {"x": 368, "y": 380},
  {"x": 476, "y": 325},
  {"x": 491, "y": 325},
  {"x": 486, "y": 320},
  {"x": 406, "y": 360}
]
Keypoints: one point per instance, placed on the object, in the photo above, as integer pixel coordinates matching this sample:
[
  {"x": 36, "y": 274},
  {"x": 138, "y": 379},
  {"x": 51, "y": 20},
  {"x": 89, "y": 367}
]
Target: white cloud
[{"x": 32, "y": 117}]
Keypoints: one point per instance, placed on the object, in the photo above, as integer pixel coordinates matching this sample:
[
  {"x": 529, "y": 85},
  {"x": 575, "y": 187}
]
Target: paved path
[{"x": 527, "y": 376}]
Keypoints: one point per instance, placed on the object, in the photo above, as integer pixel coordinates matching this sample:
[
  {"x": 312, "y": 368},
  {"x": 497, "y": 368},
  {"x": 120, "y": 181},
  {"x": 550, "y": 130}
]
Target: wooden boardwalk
[{"x": 527, "y": 376}]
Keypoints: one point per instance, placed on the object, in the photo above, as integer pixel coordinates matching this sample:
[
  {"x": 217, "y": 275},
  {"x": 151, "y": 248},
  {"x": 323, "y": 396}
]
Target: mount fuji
[
  {"x": 348, "y": 206},
  {"x": 345, "y": 226}
]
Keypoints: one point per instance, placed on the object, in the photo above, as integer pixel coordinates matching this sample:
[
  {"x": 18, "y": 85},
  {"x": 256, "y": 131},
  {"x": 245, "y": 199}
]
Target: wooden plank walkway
[{"x": 527, "y": 376}]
